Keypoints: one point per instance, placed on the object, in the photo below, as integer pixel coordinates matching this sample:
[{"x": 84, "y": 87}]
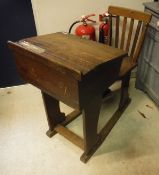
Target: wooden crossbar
[
  {"x": 70, "y": 117},
  {"x": 68, "y": 134}
]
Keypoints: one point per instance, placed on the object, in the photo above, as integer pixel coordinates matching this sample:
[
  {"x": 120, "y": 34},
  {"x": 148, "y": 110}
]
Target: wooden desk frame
[{"x": 79, "y": 87}]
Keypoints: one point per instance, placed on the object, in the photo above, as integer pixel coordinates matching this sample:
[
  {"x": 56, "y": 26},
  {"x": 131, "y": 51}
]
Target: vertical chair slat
[
  {"x": 136, "y": 38},
  {"x": 117, "y": 32},
  {"x": 110, "y": 31},
  {"x": 136, "y": 54},
  {"x": 129, "y": 34},
  {"x": 123, "y": 33}
]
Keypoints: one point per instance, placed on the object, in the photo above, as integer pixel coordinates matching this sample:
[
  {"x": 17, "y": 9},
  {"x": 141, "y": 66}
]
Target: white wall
[{"x": 56, "y": 15}]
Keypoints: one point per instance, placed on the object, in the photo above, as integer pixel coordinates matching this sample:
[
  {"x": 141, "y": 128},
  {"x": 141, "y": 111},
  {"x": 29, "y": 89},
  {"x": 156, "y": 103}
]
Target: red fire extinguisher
[
  {"x": 84, "y": 30},
  {"x": 104, "y": 28}
]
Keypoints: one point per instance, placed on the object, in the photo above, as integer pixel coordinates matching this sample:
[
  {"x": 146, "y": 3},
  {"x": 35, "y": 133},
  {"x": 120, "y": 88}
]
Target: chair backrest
[{"x": 129, "y": 27}]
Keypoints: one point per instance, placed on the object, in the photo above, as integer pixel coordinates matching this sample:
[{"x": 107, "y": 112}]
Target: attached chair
[{"x": 129, "y": 29}]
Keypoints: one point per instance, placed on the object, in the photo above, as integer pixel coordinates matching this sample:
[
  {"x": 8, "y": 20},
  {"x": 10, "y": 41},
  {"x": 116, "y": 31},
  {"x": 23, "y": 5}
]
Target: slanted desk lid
[{"x": 69, "y": 52}]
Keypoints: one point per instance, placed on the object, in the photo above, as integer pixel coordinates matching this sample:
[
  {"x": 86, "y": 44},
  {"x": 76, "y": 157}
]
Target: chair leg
[{"x": 124, "y": 96}]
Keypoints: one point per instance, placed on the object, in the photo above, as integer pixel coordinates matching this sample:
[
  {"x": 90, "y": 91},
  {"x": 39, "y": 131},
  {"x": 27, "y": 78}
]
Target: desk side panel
[
  {"x": 55, "y": 83},
  {"x": 98, "y": 80}
]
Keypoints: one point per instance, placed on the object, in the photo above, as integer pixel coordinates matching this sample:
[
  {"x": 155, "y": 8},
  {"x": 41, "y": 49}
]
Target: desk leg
[
  {"x": 54, "y": 116},
  {"x": 91, "y": 113}
]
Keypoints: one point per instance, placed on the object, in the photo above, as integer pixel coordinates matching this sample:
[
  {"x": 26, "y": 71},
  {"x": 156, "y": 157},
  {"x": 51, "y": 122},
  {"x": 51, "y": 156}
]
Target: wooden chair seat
[{"x": 126, "y": 67}]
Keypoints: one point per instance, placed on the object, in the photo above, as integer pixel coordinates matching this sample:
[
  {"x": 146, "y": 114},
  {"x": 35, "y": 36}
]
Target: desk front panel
[{"x": 55, "y": 83}]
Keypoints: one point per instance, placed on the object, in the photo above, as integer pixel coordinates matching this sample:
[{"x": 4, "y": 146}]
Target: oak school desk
[{"x": 75, "y": 71}]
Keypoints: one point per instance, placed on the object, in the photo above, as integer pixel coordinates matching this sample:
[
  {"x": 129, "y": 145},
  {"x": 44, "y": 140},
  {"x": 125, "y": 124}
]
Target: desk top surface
[{"x": 70, "y": 52}]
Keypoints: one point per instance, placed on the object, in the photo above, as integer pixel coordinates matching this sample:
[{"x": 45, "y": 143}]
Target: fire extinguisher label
[{"x": 86, "y": 36}]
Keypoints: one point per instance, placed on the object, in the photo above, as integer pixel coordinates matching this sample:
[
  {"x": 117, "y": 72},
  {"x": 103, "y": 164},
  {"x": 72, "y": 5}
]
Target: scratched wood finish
[{"x": 54, "y": 82}]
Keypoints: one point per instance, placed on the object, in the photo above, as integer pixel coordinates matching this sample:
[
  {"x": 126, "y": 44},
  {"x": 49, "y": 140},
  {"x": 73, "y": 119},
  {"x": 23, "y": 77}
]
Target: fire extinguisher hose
[
  {"x": 73, "y": 25},
  {"x": 101, "y": 34}
]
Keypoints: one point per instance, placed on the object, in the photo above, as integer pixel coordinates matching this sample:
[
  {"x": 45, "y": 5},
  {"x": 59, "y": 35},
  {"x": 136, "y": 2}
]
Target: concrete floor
[{"x": 132, "y": 147}]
